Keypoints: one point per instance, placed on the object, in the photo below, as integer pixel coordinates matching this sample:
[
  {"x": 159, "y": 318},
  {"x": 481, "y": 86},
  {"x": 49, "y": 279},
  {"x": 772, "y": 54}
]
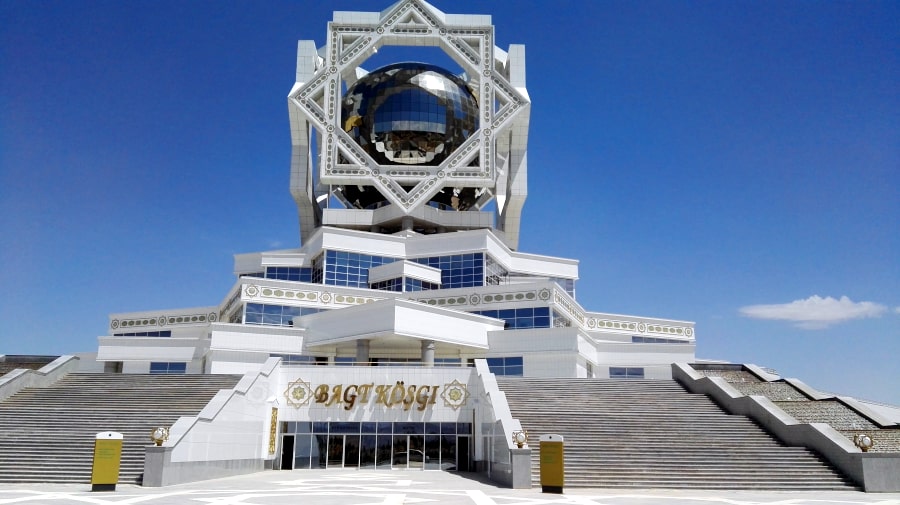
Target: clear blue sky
[{"x": 713, "y": 161}]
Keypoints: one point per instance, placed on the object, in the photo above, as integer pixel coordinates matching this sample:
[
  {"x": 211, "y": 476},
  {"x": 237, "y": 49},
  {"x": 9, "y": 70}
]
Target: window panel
[
  {"x": 511, "y": 365},
  {"x": 168, "y": 368},
  {"x": 275, "y": 315}
]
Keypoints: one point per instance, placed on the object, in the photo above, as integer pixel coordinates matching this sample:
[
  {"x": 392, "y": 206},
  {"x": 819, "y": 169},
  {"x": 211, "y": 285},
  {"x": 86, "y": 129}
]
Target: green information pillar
[
  {"x": 107, "y": 456},
  {"x": 552, "y": 467}
]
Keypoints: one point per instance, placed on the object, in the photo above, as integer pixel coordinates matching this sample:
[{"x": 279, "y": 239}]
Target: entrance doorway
[
  {"x": 407, "y": 446},
  {"x": 343, "y": 451},
  {"x": 287, "y": 447},
  {"x": 409, "y": 452}
]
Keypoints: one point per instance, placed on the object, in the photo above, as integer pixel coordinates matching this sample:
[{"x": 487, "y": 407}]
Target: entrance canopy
[{"x": 397, "y": 321}]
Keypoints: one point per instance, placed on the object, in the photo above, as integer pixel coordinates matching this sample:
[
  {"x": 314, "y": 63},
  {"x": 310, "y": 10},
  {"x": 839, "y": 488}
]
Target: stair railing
[
  {"x": 872, "y": 471},
  {"x": 19, "y": 379}
]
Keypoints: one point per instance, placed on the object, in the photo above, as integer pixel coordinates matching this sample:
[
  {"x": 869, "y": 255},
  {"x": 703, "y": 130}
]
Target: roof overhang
[{"x": 398, "y": 320}]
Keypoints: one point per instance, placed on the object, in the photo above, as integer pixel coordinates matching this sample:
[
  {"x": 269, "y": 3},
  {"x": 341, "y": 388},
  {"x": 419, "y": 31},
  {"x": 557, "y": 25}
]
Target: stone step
[
  {"x": 656, "y": 434},
  {"x": 39, "y": 442}
]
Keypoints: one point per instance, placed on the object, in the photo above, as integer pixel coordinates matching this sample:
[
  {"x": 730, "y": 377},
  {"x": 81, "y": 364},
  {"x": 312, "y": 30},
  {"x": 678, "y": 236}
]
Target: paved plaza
[{"x": 356, "y": 487}]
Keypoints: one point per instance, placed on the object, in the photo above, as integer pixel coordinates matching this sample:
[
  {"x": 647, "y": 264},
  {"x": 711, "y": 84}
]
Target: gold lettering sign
[{"x": 396, "y": 395}]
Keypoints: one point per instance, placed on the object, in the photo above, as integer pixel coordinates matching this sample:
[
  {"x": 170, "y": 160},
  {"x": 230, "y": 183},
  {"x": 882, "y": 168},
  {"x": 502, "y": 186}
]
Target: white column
[
  {"x": 428, "y": 353},
  {"x": 362, "y": 352}
]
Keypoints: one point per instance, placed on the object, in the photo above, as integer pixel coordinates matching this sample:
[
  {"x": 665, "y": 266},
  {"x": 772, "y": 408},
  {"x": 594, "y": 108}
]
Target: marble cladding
[
  {"x": 775, "y": 391},
  {"x": 838, "y": 415},
  {"x": 842, "y": 418},
  {"x": 736, "y": 376}
]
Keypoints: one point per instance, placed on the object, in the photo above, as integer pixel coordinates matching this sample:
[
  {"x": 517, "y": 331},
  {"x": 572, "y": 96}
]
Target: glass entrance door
[
  {"x": 335, "y": 451},
  {"x": 343, "y": 451},
  {"x": 382, "y": 445},
  {"x": 409, "y": 452}
]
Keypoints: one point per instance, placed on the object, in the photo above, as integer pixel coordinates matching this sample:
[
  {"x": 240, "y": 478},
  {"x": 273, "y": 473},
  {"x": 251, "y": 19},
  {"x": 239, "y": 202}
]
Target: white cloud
[
  {"x": 897, "y": 310},
  {"x": 815, "y": 312}
]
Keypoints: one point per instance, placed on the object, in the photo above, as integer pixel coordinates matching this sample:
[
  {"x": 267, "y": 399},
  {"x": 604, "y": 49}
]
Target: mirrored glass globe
[{"x": 409, "y": 113}]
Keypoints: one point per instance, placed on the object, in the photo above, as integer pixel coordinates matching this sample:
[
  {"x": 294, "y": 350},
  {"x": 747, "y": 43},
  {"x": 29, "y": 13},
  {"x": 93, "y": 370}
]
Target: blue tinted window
[
  {"x": 274, "y": 315},
  {"x": 165, "y": 333},
  {"x": 344, "y": 427},
  {"x": 344, "y": 268},
  {"x": 626, "y": 373},
  {"x": 566, "y": 284},
  {"x": 389, "y": 285},
  {"x": 290, "y": 273},
  {"x": 418, "y": 285},
  {"x": 404, "y": 284},
  {"x": 167, "y": 368},
  {"x": 458, "y": 270},
  {"x": 526, "y": 317},
  {"x": 448, "y": 362},
  {"x": 294, "y": 358},
  {"x": 510, "y": 365}
]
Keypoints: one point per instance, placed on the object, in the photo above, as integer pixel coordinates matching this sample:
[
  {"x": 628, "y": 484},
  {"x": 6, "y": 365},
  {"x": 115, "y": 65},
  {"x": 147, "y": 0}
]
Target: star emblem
[
  {"x": 298, "y": 393},
  {"x": 455, "y": 394}
]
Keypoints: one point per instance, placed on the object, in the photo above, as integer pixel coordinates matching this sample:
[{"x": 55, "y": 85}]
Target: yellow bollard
[
  {"x": 552, "y": 466},
  {"x": 107, "y": 457}
]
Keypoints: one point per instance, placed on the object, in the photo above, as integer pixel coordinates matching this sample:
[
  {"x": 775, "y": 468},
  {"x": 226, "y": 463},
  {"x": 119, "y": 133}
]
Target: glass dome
[{"x": 409, "y": 113}]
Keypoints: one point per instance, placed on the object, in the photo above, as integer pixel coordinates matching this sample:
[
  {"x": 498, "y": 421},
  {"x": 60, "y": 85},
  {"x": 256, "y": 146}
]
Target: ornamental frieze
[
  {"x": 593, "y": 323},
  {"x": 564, "y": 303},
  {"x": 613, "y": 324},
  {"x": 476, "y": 300},
  {"x": 254, "y": 292},
  {"x": 163, "y": 320}
]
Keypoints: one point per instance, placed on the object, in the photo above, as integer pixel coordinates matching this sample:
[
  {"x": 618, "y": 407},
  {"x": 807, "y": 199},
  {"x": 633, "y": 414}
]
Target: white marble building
[
  {"x": 409, "y": 186},
  {"x": 409, "y": 182}
]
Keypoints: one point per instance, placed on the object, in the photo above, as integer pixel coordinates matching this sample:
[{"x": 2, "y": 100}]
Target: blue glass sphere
[{"x": 409, "y": 113}]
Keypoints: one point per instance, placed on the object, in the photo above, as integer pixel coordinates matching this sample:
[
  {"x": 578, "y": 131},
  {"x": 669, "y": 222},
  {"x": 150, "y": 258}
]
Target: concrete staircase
[
  {"x": 8, "y": 363},
  {"x": 47, "y": 434},
  {"x": 654, "y": 434},
  {"x": 795, "y": 403}
]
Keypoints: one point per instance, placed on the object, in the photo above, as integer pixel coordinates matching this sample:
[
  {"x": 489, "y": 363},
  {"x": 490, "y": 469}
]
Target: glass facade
[
  {"x": 409, "y": 113},
  {"x": 167, "y": 368},
  {"x": 626, "y": 373},
  {"x": 389, "y": 285},
  {"x": 458, "y": 270},
  {"x": 655, "y": 340},
  {"x": 344, "y": 268},
  {"x": 275, "y": 315},
  {"x": 560, "y": 321},
  {"x": 300, "y": 274},
  {"x": 376, "y": 445},
  {"x": 529, "y": 317},
  {"x": 566, "y": 284},
  {"x": 511, "y": 365},
  {"x": 165, "y": 333},
  {"x": 300, "y": 359},
  {"x": 495, "y": 274},
  {"x": 410, "y": 284},
  {"x": 404, "y": 284}
]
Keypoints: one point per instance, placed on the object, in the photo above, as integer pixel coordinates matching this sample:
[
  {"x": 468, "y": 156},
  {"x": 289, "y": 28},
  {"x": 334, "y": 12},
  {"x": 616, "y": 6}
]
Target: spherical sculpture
[{"x": 409, "y": 113}]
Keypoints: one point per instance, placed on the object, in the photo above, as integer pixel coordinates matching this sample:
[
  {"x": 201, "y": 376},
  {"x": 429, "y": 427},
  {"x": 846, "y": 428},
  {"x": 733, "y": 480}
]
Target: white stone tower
[{"x": 430, "y": 152}]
